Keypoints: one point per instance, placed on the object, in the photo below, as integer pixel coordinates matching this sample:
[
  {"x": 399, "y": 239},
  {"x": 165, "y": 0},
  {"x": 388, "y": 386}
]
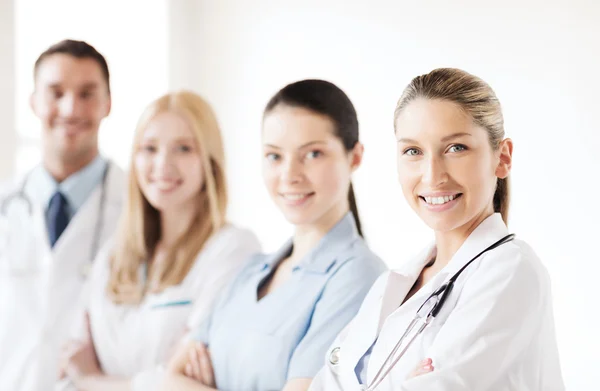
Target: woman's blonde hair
[
  {"x": 139, "y": 230},
  {"x": 477, "y": 99}
]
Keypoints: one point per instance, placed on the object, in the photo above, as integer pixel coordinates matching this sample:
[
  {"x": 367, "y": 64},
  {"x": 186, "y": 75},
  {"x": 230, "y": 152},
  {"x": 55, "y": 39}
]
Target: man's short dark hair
[{"x": 77, "y": 49}]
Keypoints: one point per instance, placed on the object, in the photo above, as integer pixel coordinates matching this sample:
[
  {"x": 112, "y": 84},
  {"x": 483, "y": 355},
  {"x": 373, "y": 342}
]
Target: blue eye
[
  {"x": 314, "y": 154},
  {"x": 272, "y": 157},
  {"x": 457, "y": 148},
  {"x": 411, "y": 152}
]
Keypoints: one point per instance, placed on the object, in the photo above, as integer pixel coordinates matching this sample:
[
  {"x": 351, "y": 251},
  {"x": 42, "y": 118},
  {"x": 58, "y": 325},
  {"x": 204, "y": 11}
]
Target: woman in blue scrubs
[{"x": 273, "y": 325}]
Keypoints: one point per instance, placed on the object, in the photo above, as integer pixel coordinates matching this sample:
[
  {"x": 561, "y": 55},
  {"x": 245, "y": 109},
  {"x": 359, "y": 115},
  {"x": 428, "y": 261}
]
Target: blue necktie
[{"x": 58, "y": 217}]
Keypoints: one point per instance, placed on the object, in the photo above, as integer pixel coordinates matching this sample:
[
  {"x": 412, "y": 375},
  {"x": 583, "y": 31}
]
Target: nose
[
  {"x": 291, "y": 171},
  {"x": 164, "y": 163},
  {"x": 434, "y": 172},
  {"x": 70, "y": 106}
]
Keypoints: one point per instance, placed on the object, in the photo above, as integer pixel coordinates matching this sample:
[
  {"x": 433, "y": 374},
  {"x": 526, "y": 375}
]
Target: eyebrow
[
  {"x": 444, "y": 139},
  {"x": 86, "y": 86},
  {"x": 188, "y": 139},
  {"x": 177, "y": 140},
  {"x": 300, "y": 147}
]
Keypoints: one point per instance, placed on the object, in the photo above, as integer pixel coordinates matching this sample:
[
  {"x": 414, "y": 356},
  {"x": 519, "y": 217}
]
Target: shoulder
[
  {"x": 352, "y": 274},
  {"x": 516, "y": 257},
  {"x": 360, "y": 261},
  {"x": 377, "y": 289},
  {"x": 115, "y": 172},
  {"x": 254, "y": 264},
  {"x": 515, "y": 268},
  {"x": 235, "y": 234},
  {"x": 117, "y": 182},
  {"x": 100, "y": 270},
  {"x": 229, "y": 247},
  {"x": 8, "y": 186},
  {"x": 232, "y": 238}
]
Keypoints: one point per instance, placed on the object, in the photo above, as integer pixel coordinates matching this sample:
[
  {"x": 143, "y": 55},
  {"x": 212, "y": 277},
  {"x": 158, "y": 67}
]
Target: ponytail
[
  {"x": 354, "y": 209},
  {"x": 502, "y": 198}
]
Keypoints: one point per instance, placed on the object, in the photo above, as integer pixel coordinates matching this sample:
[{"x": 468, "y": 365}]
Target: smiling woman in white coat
[
  {"x": 172, "y": 256},
  {"x": 495, "y": 328}
]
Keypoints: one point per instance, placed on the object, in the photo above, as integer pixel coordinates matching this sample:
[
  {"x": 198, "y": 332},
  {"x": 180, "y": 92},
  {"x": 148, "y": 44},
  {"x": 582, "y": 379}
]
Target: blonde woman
[
  {"x": 494, "y": 330},
  {"x": 172, "y": 256}
]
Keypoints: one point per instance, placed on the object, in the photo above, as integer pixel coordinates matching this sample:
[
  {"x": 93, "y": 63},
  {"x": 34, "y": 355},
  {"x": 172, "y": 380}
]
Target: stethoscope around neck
[
  {"x": 21, "y": 196},
  {"x": 425, "y": 314}
]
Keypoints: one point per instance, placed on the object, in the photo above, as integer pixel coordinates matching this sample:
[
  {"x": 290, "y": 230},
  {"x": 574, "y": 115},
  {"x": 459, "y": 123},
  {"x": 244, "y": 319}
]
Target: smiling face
[
  {"x": 71, "y": 99},
  {"x": 446, "y": 166},
  {"x": 168, "y": 163},
  {"x": 306, "y": 168}
]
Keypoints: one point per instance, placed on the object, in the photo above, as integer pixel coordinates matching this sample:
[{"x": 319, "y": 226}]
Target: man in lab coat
[{"x": 56, "y": 217}]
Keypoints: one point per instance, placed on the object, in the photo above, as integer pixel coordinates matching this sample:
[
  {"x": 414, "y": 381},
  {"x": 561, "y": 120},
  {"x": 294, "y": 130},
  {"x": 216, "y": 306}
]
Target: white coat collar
[
  {"x": 487, "y": 233},
  {"x": 401, "y": 280}
]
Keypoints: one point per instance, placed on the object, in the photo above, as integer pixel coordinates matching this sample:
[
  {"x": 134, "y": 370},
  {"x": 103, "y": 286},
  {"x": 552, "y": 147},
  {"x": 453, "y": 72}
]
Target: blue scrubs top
[{"x": 260, "y": 344}]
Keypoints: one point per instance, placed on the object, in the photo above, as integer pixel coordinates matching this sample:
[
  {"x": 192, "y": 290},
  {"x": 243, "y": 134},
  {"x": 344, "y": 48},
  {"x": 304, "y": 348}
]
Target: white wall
[
  {"x": 542, "y": 58},
  {"x": 7, "y": 88},
  {"x": 133, "y": 42}
]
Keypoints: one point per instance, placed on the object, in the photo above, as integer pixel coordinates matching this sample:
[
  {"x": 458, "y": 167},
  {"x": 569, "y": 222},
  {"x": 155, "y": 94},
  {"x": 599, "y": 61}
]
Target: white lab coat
[
  {"x": 37, "y": 305},
  {"x": 133, "y": 341},
  {"x": 495, "y": 331}
]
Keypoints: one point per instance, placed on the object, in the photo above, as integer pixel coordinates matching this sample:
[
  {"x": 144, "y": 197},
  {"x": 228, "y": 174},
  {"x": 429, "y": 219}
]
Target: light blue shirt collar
[
  {"x": 324, "y": 254},
  {"x": 76, "y": 188}
]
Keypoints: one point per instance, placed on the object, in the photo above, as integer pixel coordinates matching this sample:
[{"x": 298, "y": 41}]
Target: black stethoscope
[
  {"x": 21, "y": 196},
  {"x": 425, "y": 314}
]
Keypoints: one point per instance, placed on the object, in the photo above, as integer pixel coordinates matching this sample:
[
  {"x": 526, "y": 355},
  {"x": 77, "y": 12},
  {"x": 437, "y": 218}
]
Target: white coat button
[{"x": 334, "y": 356}]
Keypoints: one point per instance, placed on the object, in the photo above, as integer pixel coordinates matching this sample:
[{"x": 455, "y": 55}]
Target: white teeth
[
  {"x": 440, "y": 200},
  {"x": 294, "y": 197}
]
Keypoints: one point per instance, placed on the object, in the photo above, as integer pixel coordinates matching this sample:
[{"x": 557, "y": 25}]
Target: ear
[
  {"x": 32, "y": 102},
  {"x": 108, "y": 106},
  {"x": 356, "y": 156},
  {"x": 505, "y": 154}
]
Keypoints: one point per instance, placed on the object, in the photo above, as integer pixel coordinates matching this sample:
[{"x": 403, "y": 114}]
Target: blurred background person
[
  {"x": 56, "y": 217},
  {"x": 173, "y": 254}
]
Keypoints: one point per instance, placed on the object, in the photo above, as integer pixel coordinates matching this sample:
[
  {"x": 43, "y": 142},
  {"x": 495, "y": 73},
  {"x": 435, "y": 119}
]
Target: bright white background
[
  {"x": 131, "y": 34},
  {"x": 541, "y": 57}
]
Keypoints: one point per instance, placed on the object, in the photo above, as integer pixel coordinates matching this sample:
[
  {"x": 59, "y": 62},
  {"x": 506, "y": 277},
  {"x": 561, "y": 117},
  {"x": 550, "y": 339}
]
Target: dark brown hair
[
  {"x": 77, "y": 49},
  {"x": 325, "y": 98}
]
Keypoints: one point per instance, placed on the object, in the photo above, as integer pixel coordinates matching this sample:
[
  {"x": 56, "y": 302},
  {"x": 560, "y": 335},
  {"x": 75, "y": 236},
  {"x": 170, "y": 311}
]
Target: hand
[
  {"x": 79, "y": 359},
  {"x": 424, "y": 367},
  {"x": 65, "y": 355},
  {"x": 179, "y": 360},
  {"x": 199, "y": 366}
]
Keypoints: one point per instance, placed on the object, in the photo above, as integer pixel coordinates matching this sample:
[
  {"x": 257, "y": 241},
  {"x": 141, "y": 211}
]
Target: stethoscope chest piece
[{"x": 334, "y": 356}]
